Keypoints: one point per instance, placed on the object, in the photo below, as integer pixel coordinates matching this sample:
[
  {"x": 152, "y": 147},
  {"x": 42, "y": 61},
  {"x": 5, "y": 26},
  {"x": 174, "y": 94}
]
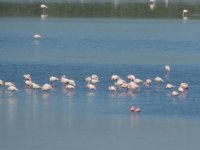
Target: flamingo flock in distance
[
  {"x": 119, "y": 84},
  {"x": 132, "y": 84}
]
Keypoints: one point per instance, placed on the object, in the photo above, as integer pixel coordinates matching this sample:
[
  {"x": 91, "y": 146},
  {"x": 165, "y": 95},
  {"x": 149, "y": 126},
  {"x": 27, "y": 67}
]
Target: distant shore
[{"x": 110, "y": 10}]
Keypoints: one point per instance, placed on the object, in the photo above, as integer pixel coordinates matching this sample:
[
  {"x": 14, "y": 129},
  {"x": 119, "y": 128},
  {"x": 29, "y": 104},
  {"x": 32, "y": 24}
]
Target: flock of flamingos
[{"x": 132, "y": 84}]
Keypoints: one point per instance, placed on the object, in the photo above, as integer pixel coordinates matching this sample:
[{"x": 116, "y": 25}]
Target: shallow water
[{"x": 82, "y": 119}]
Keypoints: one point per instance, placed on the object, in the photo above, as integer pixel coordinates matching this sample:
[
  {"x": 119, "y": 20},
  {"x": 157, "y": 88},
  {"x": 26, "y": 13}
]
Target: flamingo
[
  {"x": 131, "y": 77},
  {"x": 36, "y": 86},
  {"x": 1, "y": 83},
  {"x": 185, "y": 86},
  {"x": 112, "y": 88},
  {"x": 37, "y": 36},
  {"x": 88, "y": 79},
  {"x": 53, "y": 79},
  {"x": 185, "y": 14},
  {"x": 12, "y": 88},
  {"x": 133, "y": 86},
  {"x": 169, "y": 86},
  {"x": 28, "y": 83},
  {"x": 70, "y": 87},
  {"x": 27, "y": 77},
  {"x": 91, "y": 86},
  {"x": 159, "y": 80},
  {"x": 115, "y": 77},
  {"x": 135, "y": 109},
  {"x": 47, "y": 87},
  {"x": 148, "y": 82},
  {"x": 9, "y": 84},
  {"x": 44, "y": 7},
  {"x": 174, "y": 93},
  {"x": 152, "y": 4},
  {"x": 167, "y": 68},
  {"x": 138, "y": 81}
]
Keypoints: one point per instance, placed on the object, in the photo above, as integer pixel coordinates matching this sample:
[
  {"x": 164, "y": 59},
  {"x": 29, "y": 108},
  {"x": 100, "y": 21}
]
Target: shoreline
[{"x": 98, "y": 10}]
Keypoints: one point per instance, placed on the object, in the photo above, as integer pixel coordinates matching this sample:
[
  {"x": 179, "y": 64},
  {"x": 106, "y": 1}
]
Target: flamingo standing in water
[
  {"x": 12, "y": 88},
  {"x": 168, "y": 69},
  {"x": 112, "y": 88},
  {"x": 169, "y": 86},
  {"x": 185, "y": 14},
  {"x": 148, "y": 82},
  {"x": 53, "y": 79},
  {"x": 91, "y": 86},
  {"x": 44, "y": 8},
  {"x": 159, "y": 80},
  {"x": 37, "y": 36},
  {"x": 1, "y": 83},
  {"x": 47, "y": 87}
]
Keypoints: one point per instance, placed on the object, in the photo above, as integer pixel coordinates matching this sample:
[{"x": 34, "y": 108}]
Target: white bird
[
  {"x": 53, "y": 79},
  {"x": 185, "y": 86},
  {"x": 70, "y": 87},
  {"x": 27, "y": 77},
  {"x": 12, "y": 88},
  {"x": 169, "y": 86},
  {"x": 88, "y": 79},
  {"x": 115, "y": 77},
  {"x": 71, "y": 82},
  {"x": 9, "y": 84},
  {"x": 43, "y": 7},
  {"x": 91, "y": 86},
  {"x": 152, "y": 4},
  {"x": 37, "y": 36},
  {"x": 119, "y": 82},
  {"x": 159, "y": 80},
  {"x": 133, "y": 86},
  {"x": 94, "y": 76},
  {"x": 148, "y": 82},
  {"x": 174, "y": 93},
  {"x": 185, "y": 14},
  {"x": 112, "y": 88},
  {"x": 36, "y": 86},
  {"x": 47, "y": 87},
  {"x": 94, "y": 81},
  {"x": 167, "y": 68},
  {"x": 131, "y": 77},
  {"x": 1, "y": 83},
  {"x": 180, "y": 89},
  {"x": 138, "y": 81},
  {"x": 28, "y": 83}
]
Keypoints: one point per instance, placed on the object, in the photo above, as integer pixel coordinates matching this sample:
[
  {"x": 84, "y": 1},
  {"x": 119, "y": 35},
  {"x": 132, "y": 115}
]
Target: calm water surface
[{"x": 82, "y": 119}]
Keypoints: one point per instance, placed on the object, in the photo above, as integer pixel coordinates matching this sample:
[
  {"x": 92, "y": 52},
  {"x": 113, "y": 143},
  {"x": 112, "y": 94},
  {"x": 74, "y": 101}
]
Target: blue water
[{"x": 82, "y": 119}]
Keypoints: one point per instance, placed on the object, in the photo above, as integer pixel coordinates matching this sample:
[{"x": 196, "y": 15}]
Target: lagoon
[{"x": 81, "y": 119}]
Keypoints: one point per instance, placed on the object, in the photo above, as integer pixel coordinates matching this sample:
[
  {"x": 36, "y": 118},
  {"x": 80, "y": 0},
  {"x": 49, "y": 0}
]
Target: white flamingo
[
  {"x": 174, "y": 93},
  {"x": 91, "y": 86},
  {"x": 1, "y": 83},
  {"x": 28, "y": 83},
  {"x": 53, "y": 79},
  {"x": 47, "y": 87},
  {"x": 37, "y": 36},
  {"x": 185, "y": 14},
  {"x": 148, "y": 82},
  {"x": 169, "y": 86},
  {"x": 112, "y": 88},
  {"x": 27, "y": 77},
  {"x": 115, "y": 77},
  {"x": 133, "y": 86},
  {"x": 70, "y": 87},
  {"x": 36, "y": 86},
  {"x": 167, "y": 68},
  {"x": 9, "y": 84},
  {"x": 131, "y": 77},
  {"x": 12, "y": 88},
  {"x": 159, "y": 80},
  {"x": 43, "y": 7},
  {"x": 185, "y": 86}
]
